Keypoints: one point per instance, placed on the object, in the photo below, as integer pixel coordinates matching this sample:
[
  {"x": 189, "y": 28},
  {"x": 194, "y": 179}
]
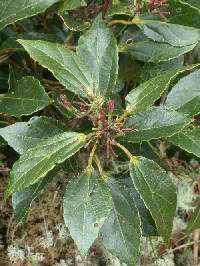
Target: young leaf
[
  {"x": 86, "y": 206},
  {"x": 25, "y": 135},
  {"x": 157, "y": 191},
  {"x": 187, "y": 140},
  {"x": 11, "y": 12},
  {"x": 121, "y": 231},
  {"x": 21, "y": 201},
  {"x": 66, "y": 66},
  {"x": 28, "y": 98},
  {"x": 185, "y": 95},
  {"x": 156, "y": 122},
  {"x": 194, "y": 222},
  {"x": 139, "y": 47},
  {"x": 147, "y": 93},
  {"x": 35, "y": 163},
  {"x": 98, "y": 49},
  {"x": 175, "y": 35}
]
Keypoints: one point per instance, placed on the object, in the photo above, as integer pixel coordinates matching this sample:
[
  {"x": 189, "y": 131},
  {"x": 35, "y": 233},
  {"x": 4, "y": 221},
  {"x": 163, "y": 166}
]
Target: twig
[
  {"x": 196, "y": 246},
  {"x": 125, "y": 22},
  {"x": 8, "y": 119},
  {"x": 182, "y": 246}
]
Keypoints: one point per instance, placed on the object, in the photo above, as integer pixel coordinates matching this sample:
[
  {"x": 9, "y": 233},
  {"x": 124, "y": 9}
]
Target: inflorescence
[
  {"x": 105, "y": 124},
  {"x": 152, "y": 6}
]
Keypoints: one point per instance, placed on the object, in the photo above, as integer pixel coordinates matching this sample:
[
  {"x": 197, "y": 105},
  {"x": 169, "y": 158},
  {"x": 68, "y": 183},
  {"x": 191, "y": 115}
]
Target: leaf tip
[{"x": 20, "y": 41}]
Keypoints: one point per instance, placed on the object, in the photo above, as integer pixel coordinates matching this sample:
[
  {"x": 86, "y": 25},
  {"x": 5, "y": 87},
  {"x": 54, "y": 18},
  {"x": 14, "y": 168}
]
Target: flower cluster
[
  {"x": 152, "y": 6},
  {"x": 105, "y": 125}
]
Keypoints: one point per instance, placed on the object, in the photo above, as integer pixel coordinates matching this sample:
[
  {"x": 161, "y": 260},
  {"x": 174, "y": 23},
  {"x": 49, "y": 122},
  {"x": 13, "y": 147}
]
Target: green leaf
[
  {"x": 175, "y": 35},
  {"x": 4, "y": 78},
  {"x": 11, "y": 44},
  {"x": 66, "y": 66},
  {"x": 121, "y": 231},
  {"x": 187, "y": 140},
  {"x": 86, "y": 206},
  {"x": 147, "y": 222},
  {"x": 195, "y": 3},
  {"x": 135, "y": 44},
  {"x": 15, "y": 74},
  {"x": 64, "y": 5},
  {"x": 140, "y": 98},
  {"x": 151, "y": 70},
  {"x": 156, "y": 122},
  {"x": 28, "y": 98},
  {"x": 11, "y": 12},
  {"x": 75, "y": 24},
  {"x": 35, "y": 163},
  {"x": 21, "y": 201},
  {"x": 95, "y": 47},
  {"x": 179, "y": 11},
  {"x": 185, "y": 95},
  {"x": 157, "y": 191},
  {"x": 130, "y": 70},
  {"x": 118, "y": 7},
  {"x": 25, "y": 135},
  {"x": 194, "y": 222}
]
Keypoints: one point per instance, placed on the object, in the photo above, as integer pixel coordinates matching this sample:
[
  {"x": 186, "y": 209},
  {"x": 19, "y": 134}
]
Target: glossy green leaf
[
  {"x": 28, "y": 98},
  {"x": 75, "y": 24},
  {"x": 151, "y": 70},
  {"x": 21, "y": 201},
  {"x": 188, "y": 140},
  {"x": 35, "y": 163},
  {"x": 194, "y": 222},
  {"x": 66, "y": 66},
  {"x": 157, "y": 191},
  {"x": 156, "y": 122},
  {"x": 140, "y": 98},
  {"x": 25, "y": 135},
  {"x": 175, "y": 35},
  {"x": 98, "y": 49},
  {"x": 121, "y": 231},
  {"x": 86, "y": 206},
  {"x": 185, "y": 95},
  {"x": 135, "y": 44},
  {"x": 13, "y": 11},
  {"x": 180, "y": 10}
]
